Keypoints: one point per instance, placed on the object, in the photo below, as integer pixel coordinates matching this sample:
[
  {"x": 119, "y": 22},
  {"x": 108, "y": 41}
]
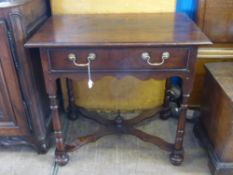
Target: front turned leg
[
  {"x": 61, "y": 157},
  {"x": 72, "y": 115},
  {"x": 177, "y": 155}
]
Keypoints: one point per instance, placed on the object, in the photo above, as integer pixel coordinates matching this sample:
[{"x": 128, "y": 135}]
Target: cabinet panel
[
  {"x": 12, "y": 113},
  {"x": 6, "y": 112},
  {"x": 215, "y": 17}
]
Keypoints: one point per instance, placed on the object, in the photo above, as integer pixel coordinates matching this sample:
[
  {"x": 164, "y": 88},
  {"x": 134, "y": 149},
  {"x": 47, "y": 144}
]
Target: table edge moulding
[{"x": 150, "y": 45}]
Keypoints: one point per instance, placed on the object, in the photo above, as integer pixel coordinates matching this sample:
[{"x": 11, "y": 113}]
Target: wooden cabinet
[
  {"x": 24, "y": 117},
  {"x": 215, "y": 18},
  {"x": 216, "y": 129},
  {"x": 11, "y": 104}
]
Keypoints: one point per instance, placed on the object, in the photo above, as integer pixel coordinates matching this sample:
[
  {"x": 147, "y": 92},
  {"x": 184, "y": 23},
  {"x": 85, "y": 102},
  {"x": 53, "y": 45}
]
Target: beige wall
[{"x": 109, "y": 6}]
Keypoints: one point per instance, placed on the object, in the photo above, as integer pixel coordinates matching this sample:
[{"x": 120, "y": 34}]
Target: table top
[
  {"x": 142, "y": 29},
  {"x": 223, "y": 74}
]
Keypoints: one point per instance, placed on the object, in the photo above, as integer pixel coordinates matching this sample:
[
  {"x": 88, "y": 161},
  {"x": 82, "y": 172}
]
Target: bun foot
[
  {"x": 165, "y": 114},
  {"x": 43, "y": 148},
  {"x": 61, "y": 158},
  {"x": 177, "y": 157}
]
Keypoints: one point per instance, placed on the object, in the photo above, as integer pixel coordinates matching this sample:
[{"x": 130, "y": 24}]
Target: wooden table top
[
  {"x": 144, "y": 29},
  {"x": 223, "y": 74}
]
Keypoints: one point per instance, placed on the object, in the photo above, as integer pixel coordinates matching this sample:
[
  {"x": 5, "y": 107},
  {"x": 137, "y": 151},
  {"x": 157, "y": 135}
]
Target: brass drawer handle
[
  {"x": 91, "y": 57},
  {"x": 146, "y": 57}
]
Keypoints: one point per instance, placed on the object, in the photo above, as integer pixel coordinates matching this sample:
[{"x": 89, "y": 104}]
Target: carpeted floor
[{"x": 114, "y": 155}]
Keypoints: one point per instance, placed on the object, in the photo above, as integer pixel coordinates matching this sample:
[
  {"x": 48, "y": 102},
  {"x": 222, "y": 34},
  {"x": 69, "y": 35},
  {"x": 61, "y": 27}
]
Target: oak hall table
[{"x": 146, "y": 46}]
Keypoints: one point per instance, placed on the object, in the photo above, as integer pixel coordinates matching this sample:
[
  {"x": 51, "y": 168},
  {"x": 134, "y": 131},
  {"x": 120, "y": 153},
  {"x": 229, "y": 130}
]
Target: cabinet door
[{"x": 13, "y": 121}]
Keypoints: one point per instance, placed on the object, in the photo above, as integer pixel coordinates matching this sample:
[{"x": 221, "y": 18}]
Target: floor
[{"x": 115, "y": 155}]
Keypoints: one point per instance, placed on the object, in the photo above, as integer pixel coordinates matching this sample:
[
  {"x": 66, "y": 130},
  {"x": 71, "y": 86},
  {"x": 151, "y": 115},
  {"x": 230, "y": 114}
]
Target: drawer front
[{"x": 119, "y": 58}]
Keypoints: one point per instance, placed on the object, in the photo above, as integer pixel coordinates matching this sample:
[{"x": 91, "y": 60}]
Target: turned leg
[
  {"x": 177, "y": 155},
  {"x": 61, "y": 157},
  {"x": 165, "y": 113},
  {"x": 71, "y": 100}
]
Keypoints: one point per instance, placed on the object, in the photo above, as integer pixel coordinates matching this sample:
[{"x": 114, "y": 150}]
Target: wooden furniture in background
[
  {"x": 142, "y": 45},
  {"x": 23, "y": 100},
  {"x": 216, "y": 129},
  {"x": 215, "y": 18}
]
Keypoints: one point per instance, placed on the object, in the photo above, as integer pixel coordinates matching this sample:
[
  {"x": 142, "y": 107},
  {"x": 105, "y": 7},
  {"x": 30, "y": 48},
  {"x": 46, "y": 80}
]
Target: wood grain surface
[
  {"x": 118, "y": 30},
  {"x": 223, "y": 73}
]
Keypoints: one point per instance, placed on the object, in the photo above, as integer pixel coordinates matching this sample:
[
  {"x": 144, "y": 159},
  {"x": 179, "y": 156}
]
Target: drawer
[{"x": 119, "y": 58}]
